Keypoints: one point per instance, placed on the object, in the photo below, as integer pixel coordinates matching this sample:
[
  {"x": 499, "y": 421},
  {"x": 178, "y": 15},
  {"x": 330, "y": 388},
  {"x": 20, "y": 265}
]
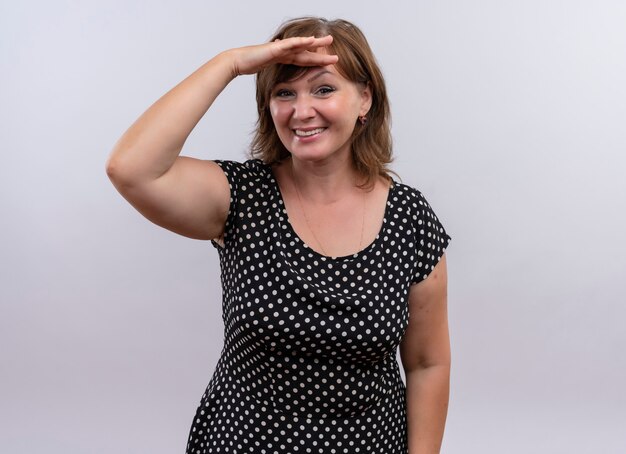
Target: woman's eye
[
  {"x": 283, "y": 93},
  {"x": 325, "y": 90}
]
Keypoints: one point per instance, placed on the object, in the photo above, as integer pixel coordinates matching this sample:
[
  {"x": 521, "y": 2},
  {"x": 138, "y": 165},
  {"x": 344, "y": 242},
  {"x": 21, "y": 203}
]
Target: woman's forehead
[{"x": 313, "y": 73}]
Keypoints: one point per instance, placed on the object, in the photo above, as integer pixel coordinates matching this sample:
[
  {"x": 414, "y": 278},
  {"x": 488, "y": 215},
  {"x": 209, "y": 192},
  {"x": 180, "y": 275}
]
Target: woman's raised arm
[{"x": 186, "y": 195}]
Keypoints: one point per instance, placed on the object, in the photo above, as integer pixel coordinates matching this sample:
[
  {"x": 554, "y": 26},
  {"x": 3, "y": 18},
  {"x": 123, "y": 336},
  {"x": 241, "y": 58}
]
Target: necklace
[{"x": 306, "y": 219}]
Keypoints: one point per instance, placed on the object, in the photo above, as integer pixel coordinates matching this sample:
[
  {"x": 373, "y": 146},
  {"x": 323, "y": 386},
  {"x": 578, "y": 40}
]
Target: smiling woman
[
  {"x": 315, "y": 114},
  {"x": 312, "y": 318},
  {"x": 355, "y": 64}
]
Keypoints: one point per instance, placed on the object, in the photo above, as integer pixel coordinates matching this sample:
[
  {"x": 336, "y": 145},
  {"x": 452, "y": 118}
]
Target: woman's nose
[{"x": 303, "y": 108}]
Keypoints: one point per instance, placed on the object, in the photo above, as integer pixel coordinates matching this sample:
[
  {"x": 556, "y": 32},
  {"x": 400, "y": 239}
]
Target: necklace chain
[{"x": 306, "y": 219}]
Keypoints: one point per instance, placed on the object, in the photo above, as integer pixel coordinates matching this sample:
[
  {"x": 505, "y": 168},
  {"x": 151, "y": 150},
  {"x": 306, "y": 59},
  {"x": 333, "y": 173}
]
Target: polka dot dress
[{"x": 309, "y": 357}]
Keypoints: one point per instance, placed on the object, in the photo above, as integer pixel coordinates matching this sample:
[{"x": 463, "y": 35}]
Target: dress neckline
[{"x": 284, "y": 218}]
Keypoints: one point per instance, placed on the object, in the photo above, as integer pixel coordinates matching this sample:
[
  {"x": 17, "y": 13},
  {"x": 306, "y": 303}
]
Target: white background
[{"x": 508, "y": 115}]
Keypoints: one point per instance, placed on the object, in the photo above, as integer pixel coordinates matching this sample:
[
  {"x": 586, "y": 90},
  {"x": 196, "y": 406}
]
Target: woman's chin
[{"x": 311, "y": 154}]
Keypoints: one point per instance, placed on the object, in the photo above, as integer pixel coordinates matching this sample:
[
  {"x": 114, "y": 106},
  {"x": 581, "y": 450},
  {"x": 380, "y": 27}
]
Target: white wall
[{"x": 509, "y": 116}]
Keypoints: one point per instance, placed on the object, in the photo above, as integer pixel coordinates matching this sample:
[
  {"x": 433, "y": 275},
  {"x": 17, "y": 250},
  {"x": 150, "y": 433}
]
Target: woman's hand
[{"x": 299, "y": 51}]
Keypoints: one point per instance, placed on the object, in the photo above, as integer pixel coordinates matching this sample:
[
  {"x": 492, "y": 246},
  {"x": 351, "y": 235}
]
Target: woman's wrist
[{"x": 229, "y": 59}]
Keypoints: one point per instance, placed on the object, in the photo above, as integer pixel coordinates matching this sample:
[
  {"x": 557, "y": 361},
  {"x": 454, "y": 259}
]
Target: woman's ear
[{"x": 366, "y": 99}]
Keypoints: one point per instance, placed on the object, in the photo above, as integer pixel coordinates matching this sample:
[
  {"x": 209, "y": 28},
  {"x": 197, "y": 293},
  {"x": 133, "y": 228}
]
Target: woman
[{"x": 323, "y": 254}]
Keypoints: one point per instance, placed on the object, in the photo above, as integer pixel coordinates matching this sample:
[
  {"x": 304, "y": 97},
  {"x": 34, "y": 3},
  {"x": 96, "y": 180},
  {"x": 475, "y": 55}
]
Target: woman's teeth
[{"x": 308, "y": 133}]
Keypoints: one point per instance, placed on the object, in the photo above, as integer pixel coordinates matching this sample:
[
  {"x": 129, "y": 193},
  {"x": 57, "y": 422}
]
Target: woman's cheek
[{"x": 278, "y": 111}]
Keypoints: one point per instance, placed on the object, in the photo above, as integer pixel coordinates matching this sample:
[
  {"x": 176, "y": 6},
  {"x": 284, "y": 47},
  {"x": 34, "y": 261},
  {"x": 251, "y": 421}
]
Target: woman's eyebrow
[{"x": 318, "y": 74}]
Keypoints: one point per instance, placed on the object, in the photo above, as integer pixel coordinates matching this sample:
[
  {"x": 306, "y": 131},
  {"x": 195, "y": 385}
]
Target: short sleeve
[
  {"x": 232, "y": 170},
  {"x": 430, "y": 236}
]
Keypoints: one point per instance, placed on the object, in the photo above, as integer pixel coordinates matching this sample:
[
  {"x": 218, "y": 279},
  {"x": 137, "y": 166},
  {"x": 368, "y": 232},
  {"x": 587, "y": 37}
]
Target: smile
[{"x": 312, "y": 132}]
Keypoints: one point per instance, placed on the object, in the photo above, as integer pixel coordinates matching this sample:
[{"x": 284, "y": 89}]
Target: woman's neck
[{"x": 323, "y": 183}]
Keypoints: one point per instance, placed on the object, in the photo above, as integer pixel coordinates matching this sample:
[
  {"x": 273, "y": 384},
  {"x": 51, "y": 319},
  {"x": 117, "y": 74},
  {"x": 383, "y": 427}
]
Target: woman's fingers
[
  {"x": 309, "y": 42},
  {"x": 301, "y": 44},
  {"x": 304, "y": 51},
  {"x": 301, "y": 51},
  {"x": 308, "y": 58}
]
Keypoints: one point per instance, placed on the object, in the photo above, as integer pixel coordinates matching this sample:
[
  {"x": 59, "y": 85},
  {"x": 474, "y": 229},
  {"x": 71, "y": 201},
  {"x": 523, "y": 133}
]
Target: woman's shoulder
[
  {"x": 408, "y": 194},
  {"x": 421, "y": 211},
  {"x": 248, "y": 169},
  {"x": 414, "y": 203},
  {"x": 250, "y": 165}
]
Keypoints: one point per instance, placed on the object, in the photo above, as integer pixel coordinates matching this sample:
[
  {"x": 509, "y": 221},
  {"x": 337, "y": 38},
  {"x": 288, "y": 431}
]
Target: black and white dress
[{"x": 309, "y": 357}]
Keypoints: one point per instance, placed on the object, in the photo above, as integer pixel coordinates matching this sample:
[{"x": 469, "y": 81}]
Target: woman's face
[{"x": 315, "y": 114}]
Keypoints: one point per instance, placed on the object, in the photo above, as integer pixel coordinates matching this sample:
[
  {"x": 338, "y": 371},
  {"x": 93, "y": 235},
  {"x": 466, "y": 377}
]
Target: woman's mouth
[{"x": 308, "y": 132}]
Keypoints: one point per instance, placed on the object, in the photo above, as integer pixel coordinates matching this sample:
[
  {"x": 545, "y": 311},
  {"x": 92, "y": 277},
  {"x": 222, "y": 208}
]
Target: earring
[{"x": 363, "y": 119}]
